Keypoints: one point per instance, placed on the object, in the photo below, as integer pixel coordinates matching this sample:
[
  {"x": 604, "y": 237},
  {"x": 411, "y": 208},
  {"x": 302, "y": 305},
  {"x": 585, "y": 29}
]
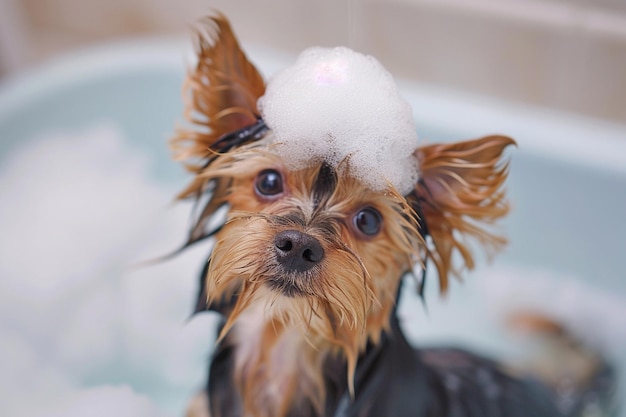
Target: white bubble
[
  {"x": 334, "y": 104},
  {"x": 79, "y": 210},
  {"x": 105, "y": 401}
]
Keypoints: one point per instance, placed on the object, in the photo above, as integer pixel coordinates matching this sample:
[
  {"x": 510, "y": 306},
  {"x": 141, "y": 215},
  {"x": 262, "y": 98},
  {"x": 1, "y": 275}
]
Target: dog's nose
[{"x": 297, "y": 251}]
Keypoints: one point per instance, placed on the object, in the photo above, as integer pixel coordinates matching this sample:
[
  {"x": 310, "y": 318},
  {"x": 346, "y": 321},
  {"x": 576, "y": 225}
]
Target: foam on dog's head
[{"x": 335, "y": 104}]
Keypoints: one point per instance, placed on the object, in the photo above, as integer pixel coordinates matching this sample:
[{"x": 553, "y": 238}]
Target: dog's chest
[{"x": 276, "y": 367}]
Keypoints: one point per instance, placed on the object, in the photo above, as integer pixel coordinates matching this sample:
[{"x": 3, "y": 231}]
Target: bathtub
[{"x": 567, "y": 186}]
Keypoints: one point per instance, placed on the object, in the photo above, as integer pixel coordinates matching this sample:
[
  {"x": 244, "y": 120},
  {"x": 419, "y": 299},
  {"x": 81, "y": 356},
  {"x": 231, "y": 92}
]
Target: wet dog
[{"x": 308, "y": 261}]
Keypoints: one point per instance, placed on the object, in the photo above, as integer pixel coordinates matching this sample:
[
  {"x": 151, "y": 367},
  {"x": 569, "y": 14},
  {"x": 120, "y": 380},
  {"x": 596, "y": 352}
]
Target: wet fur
[
  {"x": 327, "y": 341},
  {"x": 341, "y": 304}
]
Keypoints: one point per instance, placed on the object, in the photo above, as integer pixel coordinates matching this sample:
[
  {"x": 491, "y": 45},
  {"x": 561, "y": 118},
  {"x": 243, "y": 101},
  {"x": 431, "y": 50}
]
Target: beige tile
[
  {"x": 468, "y": 52},
  {"x": 598, "y": 87},
  {"x": 563, "y": 67},
  {"x": 573, "y": 58}
]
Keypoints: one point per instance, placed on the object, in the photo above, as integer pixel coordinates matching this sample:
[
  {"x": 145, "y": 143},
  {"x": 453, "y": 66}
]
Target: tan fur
[
  {"x": 198, "y": 406},
  {"x": 349, "y": 297},
  {"x": 557, "y": 357},
  {"x": 346, "y": 300},
  {"x": 461, "y": 193}
]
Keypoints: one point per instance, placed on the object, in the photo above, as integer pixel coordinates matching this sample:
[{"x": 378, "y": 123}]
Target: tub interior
[{"x": 567, "y": 187}]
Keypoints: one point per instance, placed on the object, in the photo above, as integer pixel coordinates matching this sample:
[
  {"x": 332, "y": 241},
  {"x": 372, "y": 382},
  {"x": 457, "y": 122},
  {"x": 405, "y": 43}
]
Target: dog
[{"x": 310, "y": 247}]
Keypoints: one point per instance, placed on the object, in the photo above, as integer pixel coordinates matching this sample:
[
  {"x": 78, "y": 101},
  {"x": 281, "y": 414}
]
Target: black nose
[{"x": 297, "y": 251}]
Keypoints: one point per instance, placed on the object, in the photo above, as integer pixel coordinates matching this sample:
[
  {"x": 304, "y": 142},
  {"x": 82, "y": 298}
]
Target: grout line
[{"x": 560, "y": 14}]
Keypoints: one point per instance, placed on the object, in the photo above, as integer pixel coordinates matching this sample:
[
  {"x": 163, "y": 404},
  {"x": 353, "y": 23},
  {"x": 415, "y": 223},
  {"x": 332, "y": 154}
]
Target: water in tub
[{"x": 86, "y": 332}]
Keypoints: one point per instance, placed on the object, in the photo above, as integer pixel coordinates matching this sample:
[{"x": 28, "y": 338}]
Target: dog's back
[
  {"x": 470, "y": 386},
  {"x": 399, "y": 380}
]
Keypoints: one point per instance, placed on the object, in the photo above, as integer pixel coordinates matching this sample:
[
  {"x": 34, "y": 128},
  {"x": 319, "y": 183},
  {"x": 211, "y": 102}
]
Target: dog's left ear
[{"x": 460, "y": 194}]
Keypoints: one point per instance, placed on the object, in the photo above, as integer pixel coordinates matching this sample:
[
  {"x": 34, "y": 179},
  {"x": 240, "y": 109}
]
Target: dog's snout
[{"x": 297, "y": 251}]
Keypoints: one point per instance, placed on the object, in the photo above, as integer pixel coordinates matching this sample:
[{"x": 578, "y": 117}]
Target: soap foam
[
  {"x": 80, "y": 325},
  {"x": 334, "y": 104}
]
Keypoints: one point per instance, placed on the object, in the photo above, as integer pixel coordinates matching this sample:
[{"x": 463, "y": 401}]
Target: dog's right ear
[{"x": 220, "y": 94}]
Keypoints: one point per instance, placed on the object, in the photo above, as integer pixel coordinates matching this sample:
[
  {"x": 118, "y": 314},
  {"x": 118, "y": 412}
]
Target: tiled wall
[{"x": 568, "y": 55}]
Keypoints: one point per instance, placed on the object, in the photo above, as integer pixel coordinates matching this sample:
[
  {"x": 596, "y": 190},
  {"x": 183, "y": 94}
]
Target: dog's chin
[{"x": 286, "y": 287}]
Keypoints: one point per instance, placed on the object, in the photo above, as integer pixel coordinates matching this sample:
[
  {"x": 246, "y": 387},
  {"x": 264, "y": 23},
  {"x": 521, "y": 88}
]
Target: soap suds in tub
[{"x": 83, "y": 330}]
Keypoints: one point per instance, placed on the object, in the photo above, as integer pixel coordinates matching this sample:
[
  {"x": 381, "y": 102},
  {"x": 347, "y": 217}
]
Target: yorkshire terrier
[{"x": 308, "y": 260}]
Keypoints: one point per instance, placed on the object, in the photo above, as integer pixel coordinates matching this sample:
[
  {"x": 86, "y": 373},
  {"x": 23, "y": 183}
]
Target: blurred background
[
  {"x": 90, "y": 93},
  {"x": 564, "y": 54}
]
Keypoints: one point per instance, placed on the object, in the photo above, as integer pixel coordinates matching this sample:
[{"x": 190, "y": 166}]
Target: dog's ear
[
  {"x": 220, "y": 94},
  {"x": 460, "y": 195}
]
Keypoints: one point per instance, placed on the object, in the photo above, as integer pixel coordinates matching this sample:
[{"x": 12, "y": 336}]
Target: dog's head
[{"x": 320, "y": 244}]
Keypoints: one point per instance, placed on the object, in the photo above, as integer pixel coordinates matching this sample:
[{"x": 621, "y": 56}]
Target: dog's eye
[
  {"x": 269, "y": 183},
  {"x": 368, "y": 221}
]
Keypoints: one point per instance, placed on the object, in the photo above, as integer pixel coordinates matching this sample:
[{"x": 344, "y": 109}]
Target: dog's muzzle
[{"x": 297, "y": 251}]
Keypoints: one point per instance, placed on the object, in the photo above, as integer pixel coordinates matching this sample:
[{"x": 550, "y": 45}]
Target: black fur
[
  {"x": 324, "y": 185},
  {"x": 395, "y": 380},
  {"x": 247, "y": 134}
]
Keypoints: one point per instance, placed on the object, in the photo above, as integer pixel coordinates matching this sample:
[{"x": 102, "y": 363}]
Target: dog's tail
[{"x": 582, "y": 381}]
